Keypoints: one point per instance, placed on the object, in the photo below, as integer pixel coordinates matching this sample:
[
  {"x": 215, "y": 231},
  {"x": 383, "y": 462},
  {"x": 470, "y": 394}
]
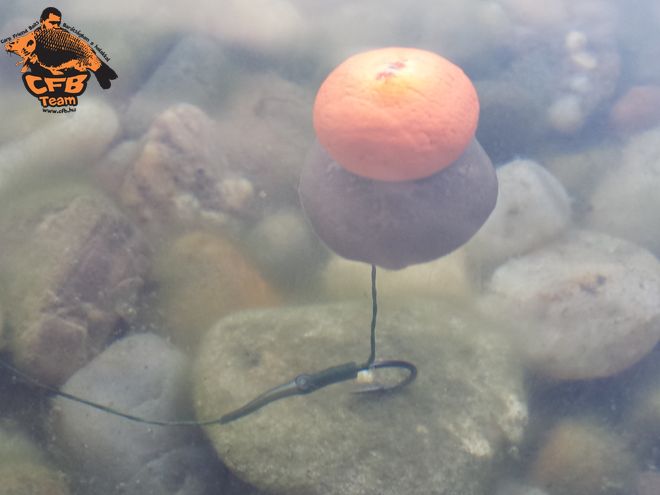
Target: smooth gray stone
[
  {"x": 189, "y": 470},
  {"x": 285, "y": 247},
  {"x": 441, "y": 435},
  {"x": 194, "y": 71},
  {"x": 145, "y": 376},
  {"x": 396, "y": 224}
]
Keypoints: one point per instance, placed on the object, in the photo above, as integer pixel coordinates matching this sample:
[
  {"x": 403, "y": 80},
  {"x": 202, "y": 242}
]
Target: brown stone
[
  {"x": 582, "y": 457},
  {"x": 31, "y": 479},
  {"x": 637, "y": 110},
  {"x": 72, "y": 267},
  {"x": 203, "y": 277},
  {"x": 170, "y": 147},
  {"x": 180, "y": 174}
]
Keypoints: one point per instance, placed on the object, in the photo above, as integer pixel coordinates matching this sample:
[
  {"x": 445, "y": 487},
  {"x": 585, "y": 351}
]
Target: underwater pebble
[
  {"x": 264, "y": 26},
  {"x": 80, "y": 138},
  {"x": 581, "y": 171},
  {"x": 585, "y": 306},
  {"x": 626, "y": 203},
  {"x": 639, "y": 38},
  {"x": 517, "y": 488},
  {"x": 514, "y": 101},
  {"x": 110, "y": 171},
  {"x": 16, "y": 446},
  {"x": 532, "y": 208},
  {"x": 448, "y": 276},
  {"x": 265, "y": 135},
  {"x": 202, "y": 277},
  {"x": 180, "y": 174},
  {"x": 3, "y": 342},
  {"x": 642, "y": 411},
  {"x": 186, "y": 470},
  {"x": 565, "y": 71},
  {"x": 530, "y": 13},
  {"x": 32, "y": 479},
  {"x": 284, "y": 246},
  {"x": 509, "y": 118},
  {"x": 136, "y": 49},
  {"x": 583, "y": 457},
  {"x": 648, "y": 483},
  {"x": 585, "y": 31},
  {"x": 565, "y": 114},
  {"x": 636, "y": 110},
  {"x": 466, "y": 406},
  {"x": 261, "y": 25},
  {"x": 458, "y": 30},
  {"x": 145, "y": 376},
  {"x": 73, "y": 267},
  {"x": 23, "y": 466},
  {"x": 228, "y": 173},
  {"x": 25, "y": 120},
  {"x": 172, "y": 83}
]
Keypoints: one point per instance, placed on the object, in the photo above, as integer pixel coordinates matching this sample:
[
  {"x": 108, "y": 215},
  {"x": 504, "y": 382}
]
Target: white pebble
[
  {"x": 626, "y": 203},
  {"x": 584, "y": 60},
  {"x": 532, "y": 208},
  {"x": 583, "y": 307},
  {"x": 575, "y": 41},
  {"x": 75, "y": 140},
  {"x": 565, "y": 115}
]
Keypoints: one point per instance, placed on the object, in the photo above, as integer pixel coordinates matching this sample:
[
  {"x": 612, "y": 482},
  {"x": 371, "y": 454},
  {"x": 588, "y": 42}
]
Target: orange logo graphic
[{"x": 56, "y": 62}]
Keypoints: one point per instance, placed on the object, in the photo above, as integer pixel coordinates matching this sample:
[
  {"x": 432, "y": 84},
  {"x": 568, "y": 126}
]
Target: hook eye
[{"x": 369, "y": 382}]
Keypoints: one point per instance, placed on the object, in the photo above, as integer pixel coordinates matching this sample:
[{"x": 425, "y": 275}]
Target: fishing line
[{"x": 302, "y": 384}]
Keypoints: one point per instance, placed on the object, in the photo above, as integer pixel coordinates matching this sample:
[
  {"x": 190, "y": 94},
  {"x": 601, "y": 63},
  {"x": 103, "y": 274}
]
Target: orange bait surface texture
[{"x": 396, "y": 114}]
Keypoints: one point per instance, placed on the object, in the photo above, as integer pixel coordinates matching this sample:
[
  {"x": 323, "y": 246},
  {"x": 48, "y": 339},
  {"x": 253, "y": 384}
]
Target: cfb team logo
[{"x": 56, "y": 63}]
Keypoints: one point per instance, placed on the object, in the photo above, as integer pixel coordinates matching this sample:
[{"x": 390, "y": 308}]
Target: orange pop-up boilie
[
  {"x": 397, "y": 176},
  {"x": 396, "y": 114}
]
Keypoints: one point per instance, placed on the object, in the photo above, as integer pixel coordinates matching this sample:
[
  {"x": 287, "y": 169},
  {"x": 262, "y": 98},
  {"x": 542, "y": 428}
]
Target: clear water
[{"x": 165, "y": 209}]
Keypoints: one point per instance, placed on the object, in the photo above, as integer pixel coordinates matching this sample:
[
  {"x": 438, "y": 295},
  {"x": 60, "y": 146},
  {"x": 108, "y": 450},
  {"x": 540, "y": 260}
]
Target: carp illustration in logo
[{"x": 51, "y": 50}]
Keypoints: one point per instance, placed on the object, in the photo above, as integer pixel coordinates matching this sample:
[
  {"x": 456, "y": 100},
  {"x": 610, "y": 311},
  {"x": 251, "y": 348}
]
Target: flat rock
[
  {"x": 440, "y": 435},
  {"x": 73, "y": 266}
]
